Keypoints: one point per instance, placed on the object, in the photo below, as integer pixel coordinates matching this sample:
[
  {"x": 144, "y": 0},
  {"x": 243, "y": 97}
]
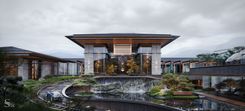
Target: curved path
[{"x": 59, "y": 105}]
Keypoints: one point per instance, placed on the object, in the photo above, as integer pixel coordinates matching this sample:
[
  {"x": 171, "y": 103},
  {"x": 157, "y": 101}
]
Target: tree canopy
[{"x": 220, "y": 56}]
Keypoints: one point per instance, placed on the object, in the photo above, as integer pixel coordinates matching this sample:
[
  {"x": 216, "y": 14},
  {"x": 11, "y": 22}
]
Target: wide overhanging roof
[
  {"x": 22, "y": 53},
  {"x": 122, "y": 38}
]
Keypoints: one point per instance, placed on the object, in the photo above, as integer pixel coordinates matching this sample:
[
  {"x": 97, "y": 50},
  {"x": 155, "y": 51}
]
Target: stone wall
[
  {"x": 88, "y": 59},
  {"x": 156, "y": 60}
]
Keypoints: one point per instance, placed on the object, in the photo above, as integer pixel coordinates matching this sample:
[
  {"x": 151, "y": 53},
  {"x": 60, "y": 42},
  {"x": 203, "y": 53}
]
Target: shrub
[
  {"x": 154, "y": 91},
  {"x": 85, "y": 80},
  {"x": 48, "y": 76},
  {"x": 177, "y": 82},
  {"x": 169, "y": 93},
  {"x": 32, "y": 86}
]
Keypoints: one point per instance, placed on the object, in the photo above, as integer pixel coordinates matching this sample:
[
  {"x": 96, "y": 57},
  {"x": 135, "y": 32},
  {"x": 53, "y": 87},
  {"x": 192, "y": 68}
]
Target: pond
[
  {"x": 129, "y": 94},
  {"x": 182, "y": 104}
]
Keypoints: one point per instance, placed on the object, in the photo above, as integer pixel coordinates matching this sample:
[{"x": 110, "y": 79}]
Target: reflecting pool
[{"x": 184, "y": 104}]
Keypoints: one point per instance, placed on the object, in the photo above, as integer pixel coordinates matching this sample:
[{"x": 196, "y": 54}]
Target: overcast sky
[{"x": 203, "y": 25}]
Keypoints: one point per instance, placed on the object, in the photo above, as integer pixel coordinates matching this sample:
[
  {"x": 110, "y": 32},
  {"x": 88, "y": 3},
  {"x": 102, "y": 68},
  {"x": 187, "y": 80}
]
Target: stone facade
[
  {"x": 156, "y": 60},
  {"x": 88, "y": 59}
]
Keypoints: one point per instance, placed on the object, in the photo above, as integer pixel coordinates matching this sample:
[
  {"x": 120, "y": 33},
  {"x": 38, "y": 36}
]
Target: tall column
[
  {"x": 156, "y": 60},
  {"x": 89, "y": 59},
  {"x": 23, "y": 69},
  {"x": 174, "y": 68}
]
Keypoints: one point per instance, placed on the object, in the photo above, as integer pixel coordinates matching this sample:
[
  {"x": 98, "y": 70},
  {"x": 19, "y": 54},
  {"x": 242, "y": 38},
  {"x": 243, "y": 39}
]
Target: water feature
[
  {"x": 124, "y": 85},
  {"x": 124, "y": 91}
]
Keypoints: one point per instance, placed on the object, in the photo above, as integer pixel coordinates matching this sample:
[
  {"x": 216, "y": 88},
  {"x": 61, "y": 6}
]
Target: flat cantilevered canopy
[{"x": 122, "y": 38}]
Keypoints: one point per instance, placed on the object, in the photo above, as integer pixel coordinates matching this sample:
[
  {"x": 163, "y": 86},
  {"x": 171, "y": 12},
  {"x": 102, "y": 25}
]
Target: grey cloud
[{"x": 203, "y": 25}]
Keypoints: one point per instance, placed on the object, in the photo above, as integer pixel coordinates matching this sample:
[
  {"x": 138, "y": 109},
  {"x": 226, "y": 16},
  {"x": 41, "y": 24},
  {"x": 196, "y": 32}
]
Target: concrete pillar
[
  {"x": 206, "y": 81},
  {"x": 165, "y": 68},
  {"x": 183, "y": 68},
  {"x": 72, "y": 68},
  {"x": 23, "y": 69},
  {"x": 45, "y": 69},
  {"x": 56, "y": 68},
  {"x": 156, "y": 60},
  {"x": 89, "y": 59}
]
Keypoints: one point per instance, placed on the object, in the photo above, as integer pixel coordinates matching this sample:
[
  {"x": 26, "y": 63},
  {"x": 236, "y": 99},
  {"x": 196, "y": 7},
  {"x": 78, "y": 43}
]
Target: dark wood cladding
[{"x": 229, "y": 70}]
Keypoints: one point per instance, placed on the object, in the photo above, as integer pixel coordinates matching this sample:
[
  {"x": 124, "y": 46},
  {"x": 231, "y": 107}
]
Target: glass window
[
  {"x": 99, "y": 59},
  {"x": 144, "y": 50}
]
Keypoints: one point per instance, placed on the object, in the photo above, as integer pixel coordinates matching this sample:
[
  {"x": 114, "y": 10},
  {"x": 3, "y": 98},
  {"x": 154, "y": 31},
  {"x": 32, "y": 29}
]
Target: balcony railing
[{"x": 228, "y": 70}]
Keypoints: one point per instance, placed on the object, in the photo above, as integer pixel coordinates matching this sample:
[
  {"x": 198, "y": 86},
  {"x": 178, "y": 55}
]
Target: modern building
[
  {"x": 122, "y": 54},
  {"x": 183, "y": 66},
  {"x": 234, "y": 69},
  {"x": 33, "y": 65}
]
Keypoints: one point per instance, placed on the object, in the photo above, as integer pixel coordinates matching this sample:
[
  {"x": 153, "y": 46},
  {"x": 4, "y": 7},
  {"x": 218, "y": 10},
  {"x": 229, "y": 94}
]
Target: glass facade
[
  {"x": 138, "y": 63},
  {"x": 100, "y": 55},
  {"x": 145, "y": 60}
]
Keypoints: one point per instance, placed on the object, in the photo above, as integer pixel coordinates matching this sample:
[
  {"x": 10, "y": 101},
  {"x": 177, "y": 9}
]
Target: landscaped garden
[
  {"x": 172, "y": 90},
  {"x": 173, "y": 86}
]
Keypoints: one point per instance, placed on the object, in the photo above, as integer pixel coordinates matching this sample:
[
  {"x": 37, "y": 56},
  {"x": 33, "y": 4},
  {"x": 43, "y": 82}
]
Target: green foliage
[
  {"x": 85, "y": 94},
  {"x": 48, "y": 76},
  {"x": 110, "y": 69},
  {"x": 177, "y": 82},
  {"x": 154, "y": 91},
  {"x": 169, "y": 93},
  {"x": 31, "y": 86},
  {"x": 219, "y": 56},
  {"x": 12, "y": 91},
  {"x": 9, "y": 88},
  {"x": 84, "y": 81},
  {"x": 132, "y": 66}
]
